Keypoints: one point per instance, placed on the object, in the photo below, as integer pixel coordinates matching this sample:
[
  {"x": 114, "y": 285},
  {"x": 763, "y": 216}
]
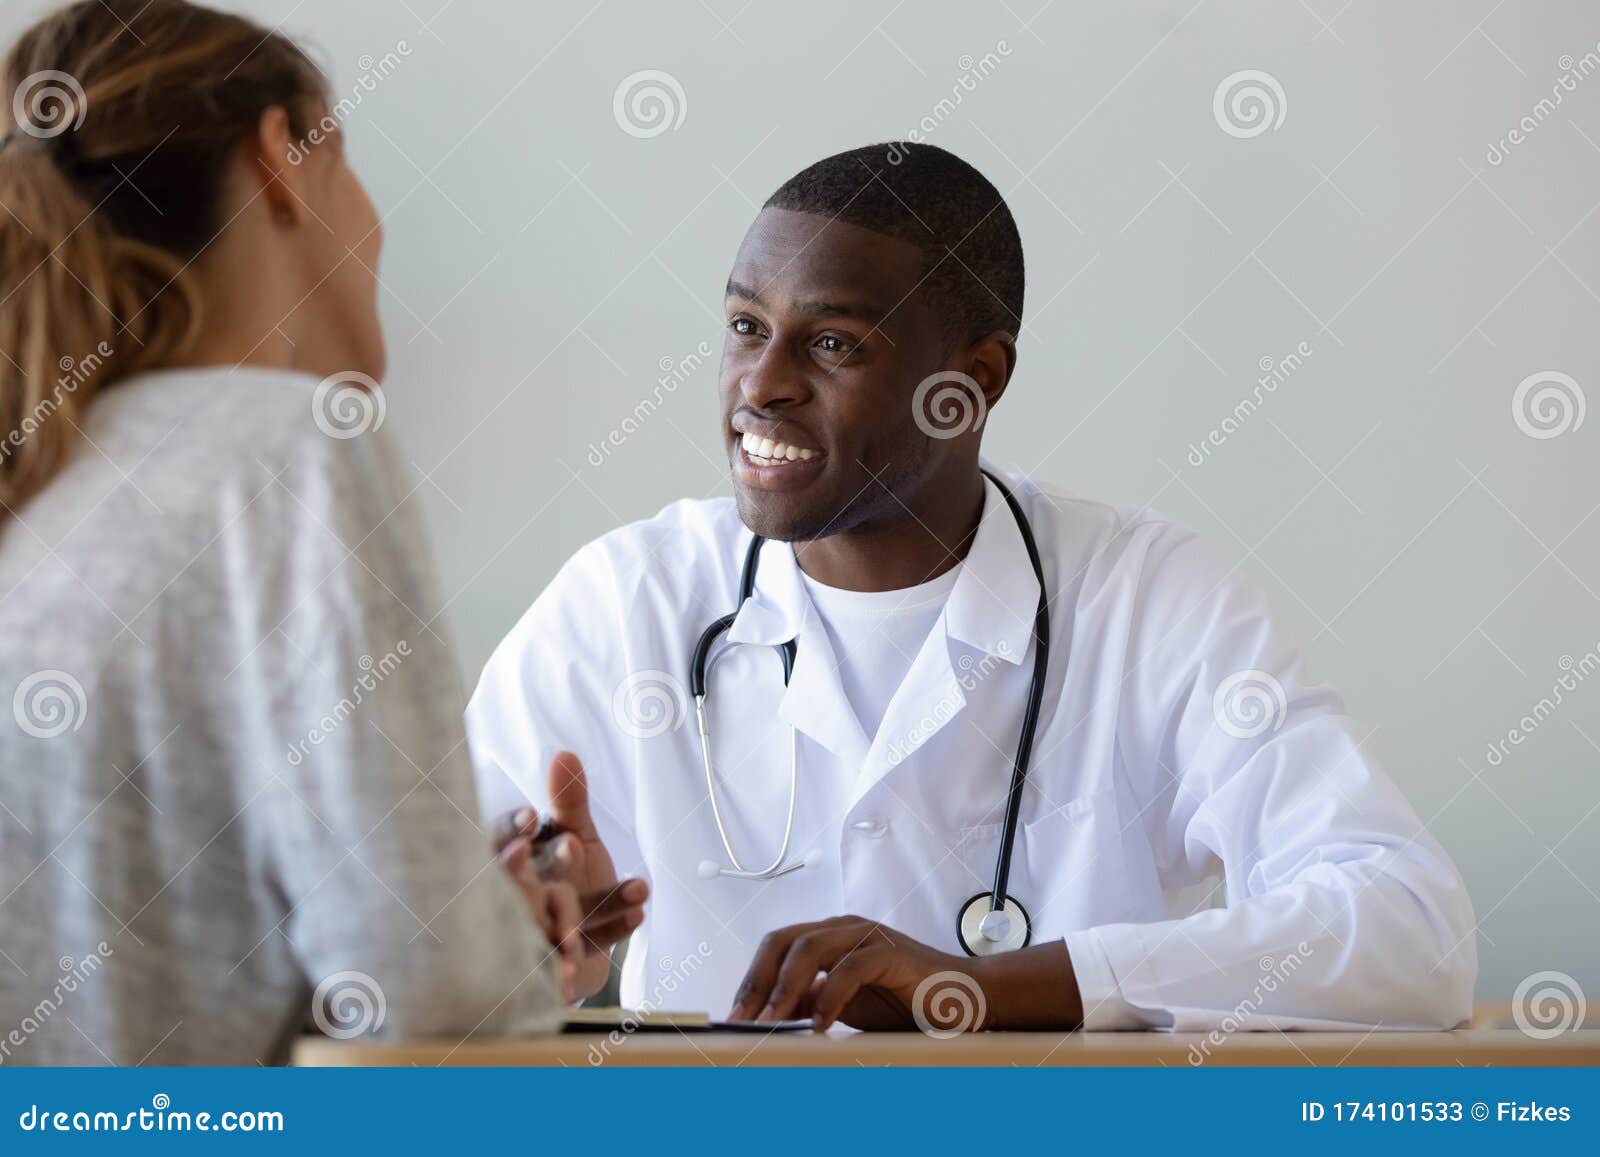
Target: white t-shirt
[{"x": 876, "y": 636}]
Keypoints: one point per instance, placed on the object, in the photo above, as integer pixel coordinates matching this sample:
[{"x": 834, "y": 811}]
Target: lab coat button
[{"x": 872, "y": 829}]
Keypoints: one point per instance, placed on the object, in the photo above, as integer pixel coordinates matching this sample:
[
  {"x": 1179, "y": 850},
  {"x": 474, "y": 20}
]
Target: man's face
[{"x": 827, "y": 341}]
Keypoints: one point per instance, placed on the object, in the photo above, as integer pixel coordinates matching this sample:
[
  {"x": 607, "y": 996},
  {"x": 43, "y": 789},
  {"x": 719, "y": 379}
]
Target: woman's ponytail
[
  {"x": 79, "y": 308},
  {"x": 108, "y": 194}
]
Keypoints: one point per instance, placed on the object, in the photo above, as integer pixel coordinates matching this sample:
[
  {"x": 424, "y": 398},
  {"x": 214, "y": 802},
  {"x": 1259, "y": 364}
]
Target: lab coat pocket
[{"x": 1070, "y": 869}]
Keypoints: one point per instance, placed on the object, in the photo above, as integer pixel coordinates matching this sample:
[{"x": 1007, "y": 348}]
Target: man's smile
[
  {"x": 768, "y": 452},
  {"x": 763, "y": 464},
  {"x": 771, "y": 455}
]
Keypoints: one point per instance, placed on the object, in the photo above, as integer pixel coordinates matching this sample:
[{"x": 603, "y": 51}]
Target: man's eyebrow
[
  {"x": 867, "y": 311},
  {"x": 864, "y": 310}
]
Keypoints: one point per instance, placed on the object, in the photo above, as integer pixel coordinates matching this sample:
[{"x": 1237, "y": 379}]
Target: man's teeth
[{"x": 769, "y": 451}]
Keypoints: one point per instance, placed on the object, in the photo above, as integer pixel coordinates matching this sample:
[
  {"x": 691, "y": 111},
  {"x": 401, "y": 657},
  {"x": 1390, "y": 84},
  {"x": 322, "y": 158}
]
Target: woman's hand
[
  {"x": 554, "y": 908},
  {"x": 567, "y": 851}
]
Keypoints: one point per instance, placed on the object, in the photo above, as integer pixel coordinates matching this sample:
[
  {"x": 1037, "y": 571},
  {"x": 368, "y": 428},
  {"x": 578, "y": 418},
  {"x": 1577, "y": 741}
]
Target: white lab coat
[{"x": 1180, "y": 740}]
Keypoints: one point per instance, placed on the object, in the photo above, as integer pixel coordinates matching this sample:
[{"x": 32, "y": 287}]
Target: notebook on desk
[{"x": 613, "y": 1019}]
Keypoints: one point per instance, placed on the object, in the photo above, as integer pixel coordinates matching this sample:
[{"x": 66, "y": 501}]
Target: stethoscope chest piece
[{"x": 985, "y": 931}]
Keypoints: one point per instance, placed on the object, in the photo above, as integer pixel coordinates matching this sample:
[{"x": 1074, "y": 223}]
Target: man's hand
[
  {"x": 871, "y": 977},
  {"x": 567, "y": 850}
]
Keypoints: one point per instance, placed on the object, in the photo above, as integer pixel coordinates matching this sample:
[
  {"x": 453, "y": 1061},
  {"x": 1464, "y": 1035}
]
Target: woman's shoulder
[
  {"x": 229, "y": 409},
  {"x": 204, "y": 432}
]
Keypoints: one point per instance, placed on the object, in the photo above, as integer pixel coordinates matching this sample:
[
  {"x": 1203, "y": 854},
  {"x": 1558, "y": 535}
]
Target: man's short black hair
[{"x": 941, "y": 204}]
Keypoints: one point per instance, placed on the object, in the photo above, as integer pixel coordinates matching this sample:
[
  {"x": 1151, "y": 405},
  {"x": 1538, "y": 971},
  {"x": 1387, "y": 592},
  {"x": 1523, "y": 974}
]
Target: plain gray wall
[{"x": 1440, "y": 563}]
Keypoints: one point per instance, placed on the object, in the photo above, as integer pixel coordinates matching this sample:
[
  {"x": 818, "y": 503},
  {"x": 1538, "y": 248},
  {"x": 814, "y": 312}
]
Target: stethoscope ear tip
[{"x": 709, "y": 870}]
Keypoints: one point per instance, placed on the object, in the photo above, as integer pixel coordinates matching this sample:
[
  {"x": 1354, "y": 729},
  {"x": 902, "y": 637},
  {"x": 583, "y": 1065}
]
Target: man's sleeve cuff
[{"x": 1104, "y": 1010}]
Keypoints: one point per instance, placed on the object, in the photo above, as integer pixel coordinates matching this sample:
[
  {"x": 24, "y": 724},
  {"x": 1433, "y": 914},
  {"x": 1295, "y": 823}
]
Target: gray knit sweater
[{"x": 235, "y": 797}]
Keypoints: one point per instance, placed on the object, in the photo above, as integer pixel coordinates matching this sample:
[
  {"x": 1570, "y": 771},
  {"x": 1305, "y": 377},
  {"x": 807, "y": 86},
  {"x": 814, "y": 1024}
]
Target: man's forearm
[{"x": 1031, "y": 988}]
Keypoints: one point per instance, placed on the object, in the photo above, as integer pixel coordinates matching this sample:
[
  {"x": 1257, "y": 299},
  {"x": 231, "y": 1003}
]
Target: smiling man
[{"x": 961, "y": 728}]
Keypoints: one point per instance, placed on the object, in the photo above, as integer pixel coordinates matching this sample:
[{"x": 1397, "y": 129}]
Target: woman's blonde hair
[{"x": 124, "y": 115}]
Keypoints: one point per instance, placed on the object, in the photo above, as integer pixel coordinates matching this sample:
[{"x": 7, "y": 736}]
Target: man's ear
[
  {"x": 992, "y": 359},
  {"x": 276, "y": 160}
]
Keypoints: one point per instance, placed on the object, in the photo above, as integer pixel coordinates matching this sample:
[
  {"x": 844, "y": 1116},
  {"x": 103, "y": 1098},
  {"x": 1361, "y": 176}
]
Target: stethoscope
[{"x": 990, "y": 922}]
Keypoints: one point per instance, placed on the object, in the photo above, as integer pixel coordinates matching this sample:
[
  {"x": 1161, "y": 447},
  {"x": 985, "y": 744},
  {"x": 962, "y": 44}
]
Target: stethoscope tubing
[
  {"x": 771, "y": 871},
  {"x": 700, "y": 665},
  {"x": 1030, "y": 713}
]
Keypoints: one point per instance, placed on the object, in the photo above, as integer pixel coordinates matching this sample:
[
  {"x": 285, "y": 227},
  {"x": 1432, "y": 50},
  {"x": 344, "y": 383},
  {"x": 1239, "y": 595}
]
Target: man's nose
[{"x": 774, "y": 380}]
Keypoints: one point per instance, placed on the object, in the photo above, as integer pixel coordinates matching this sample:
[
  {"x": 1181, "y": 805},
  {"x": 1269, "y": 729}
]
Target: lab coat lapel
[
  {"x": 778, "y": 610},
  {"x": 929, "y": 697},
  {"x": 991, "y": 609},
  {"x": 994, "y": 601}
]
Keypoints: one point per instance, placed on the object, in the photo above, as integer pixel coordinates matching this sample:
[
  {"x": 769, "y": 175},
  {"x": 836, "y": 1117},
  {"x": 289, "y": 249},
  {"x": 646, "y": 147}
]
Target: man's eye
[
  {"x": 832, "y": 344},
  {"x": 743, "y": 326}
]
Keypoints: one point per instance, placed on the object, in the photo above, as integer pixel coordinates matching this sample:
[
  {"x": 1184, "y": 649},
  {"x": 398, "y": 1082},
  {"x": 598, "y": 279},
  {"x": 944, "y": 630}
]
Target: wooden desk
[{"x": 1473, "y": 1046}]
